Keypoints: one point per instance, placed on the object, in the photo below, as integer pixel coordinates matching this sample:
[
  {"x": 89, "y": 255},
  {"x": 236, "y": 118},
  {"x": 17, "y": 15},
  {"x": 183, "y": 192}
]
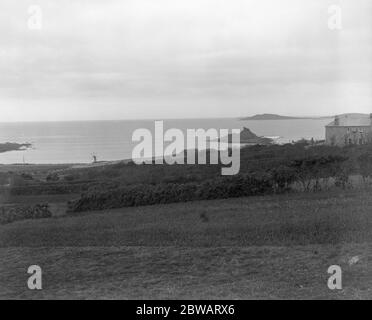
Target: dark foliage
[
  {"x": 139, "y": 195},
  {"x": 10, "y": 214}
]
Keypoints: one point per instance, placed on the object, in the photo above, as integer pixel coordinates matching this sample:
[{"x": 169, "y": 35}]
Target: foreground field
[
  {"x": 247, "y": 248},
  {"x": 298, "y": 272}
]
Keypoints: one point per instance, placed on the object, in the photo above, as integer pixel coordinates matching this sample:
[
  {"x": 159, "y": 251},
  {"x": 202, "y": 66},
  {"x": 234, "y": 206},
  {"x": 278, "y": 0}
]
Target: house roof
[{"x": 352, "y": 120}]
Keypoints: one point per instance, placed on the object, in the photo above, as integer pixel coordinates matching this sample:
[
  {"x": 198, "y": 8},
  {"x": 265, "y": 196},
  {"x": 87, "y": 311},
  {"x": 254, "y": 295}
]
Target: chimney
[{"x": 337, "y": 121}]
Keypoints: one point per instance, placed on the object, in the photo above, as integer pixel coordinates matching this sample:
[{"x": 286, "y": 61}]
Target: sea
[{"x": 79, "y": 141}]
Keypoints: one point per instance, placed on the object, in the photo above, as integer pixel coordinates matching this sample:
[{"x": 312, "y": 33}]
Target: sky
[{"x": 146, "y": 59}]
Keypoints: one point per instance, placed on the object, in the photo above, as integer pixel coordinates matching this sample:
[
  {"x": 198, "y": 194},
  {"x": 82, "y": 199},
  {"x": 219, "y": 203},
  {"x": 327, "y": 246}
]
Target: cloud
[{"x": 173, "y": 58}]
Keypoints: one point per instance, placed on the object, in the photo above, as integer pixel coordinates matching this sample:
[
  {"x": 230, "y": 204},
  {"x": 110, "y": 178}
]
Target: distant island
[
  {"x": 9, "y": 146},
  {"x": 270, "y": 116}
]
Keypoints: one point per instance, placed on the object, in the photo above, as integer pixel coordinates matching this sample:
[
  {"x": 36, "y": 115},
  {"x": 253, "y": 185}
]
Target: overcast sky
[{"x": 123, "y": 59}]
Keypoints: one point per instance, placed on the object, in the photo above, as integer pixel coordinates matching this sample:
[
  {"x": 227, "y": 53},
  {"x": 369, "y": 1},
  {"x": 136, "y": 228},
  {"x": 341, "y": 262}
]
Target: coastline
[
  {"x": 12, "y": 146},
  {"x": 18, "y": 166},
  {"x": 71, "y": 143}
]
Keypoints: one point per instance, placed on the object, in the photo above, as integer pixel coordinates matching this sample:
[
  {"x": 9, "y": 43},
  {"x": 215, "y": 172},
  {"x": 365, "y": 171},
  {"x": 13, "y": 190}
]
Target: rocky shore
[{"x": 10, "y": 146}]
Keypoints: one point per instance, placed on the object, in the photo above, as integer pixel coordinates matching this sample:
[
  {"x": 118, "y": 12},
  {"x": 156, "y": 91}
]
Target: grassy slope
[{"x": 264, "y": 247}]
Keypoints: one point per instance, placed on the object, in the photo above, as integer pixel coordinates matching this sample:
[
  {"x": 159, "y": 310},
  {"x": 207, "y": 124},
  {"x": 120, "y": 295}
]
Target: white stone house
[{"x": 352, "y": 128}]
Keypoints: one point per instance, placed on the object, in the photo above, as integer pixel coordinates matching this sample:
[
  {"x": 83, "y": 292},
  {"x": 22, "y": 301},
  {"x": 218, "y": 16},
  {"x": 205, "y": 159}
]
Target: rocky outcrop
[
  {"x": 8, "y": 146},
  {"x": 248, "y": 137}
]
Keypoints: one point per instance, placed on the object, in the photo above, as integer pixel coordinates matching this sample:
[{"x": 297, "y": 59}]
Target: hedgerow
[{"x": 143, "y": 194}]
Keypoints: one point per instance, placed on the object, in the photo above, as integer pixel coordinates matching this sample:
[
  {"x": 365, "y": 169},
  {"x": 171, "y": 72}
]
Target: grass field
[{"x": 247, "y": 248}]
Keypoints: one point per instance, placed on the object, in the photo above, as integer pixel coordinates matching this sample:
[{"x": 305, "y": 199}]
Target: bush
[
  {"x": 365, "y": 165},
  {"x": 139, "y": 195},
  {"x": 27, "y": 176},
  {"x": 283, "y": 177},
  {"x": 342, "y": 180},
  {"x": 310, "y": 170},
  {"x": 52, "y": 177},
  {"x": 69, "y": 177},
  {"x": 10, "y": 214}
]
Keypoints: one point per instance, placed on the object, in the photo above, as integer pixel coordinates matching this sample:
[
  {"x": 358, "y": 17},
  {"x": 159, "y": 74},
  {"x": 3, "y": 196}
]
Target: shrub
[
  {"x": 283, "y": 177},
  {"x": 365, "y": 165},
  {"x": 27, "y": 176},
  {"x": 52, "y": 177},
  {"x": 342, "y": 180},
  {"x": 139, "y": 195},
  {"x": 310, "y": 170},
  {"x": 10, "y": 214},
  {"x": 69, "y": 177}
]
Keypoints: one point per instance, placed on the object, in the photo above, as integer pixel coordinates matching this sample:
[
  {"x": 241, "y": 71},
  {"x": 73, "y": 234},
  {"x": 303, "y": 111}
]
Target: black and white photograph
[{"x": 187, "y": 151}]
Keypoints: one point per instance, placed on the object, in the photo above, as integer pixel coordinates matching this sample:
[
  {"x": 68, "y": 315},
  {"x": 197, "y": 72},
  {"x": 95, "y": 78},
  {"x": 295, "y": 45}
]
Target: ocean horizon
[{"x": 58, "y": 142}]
